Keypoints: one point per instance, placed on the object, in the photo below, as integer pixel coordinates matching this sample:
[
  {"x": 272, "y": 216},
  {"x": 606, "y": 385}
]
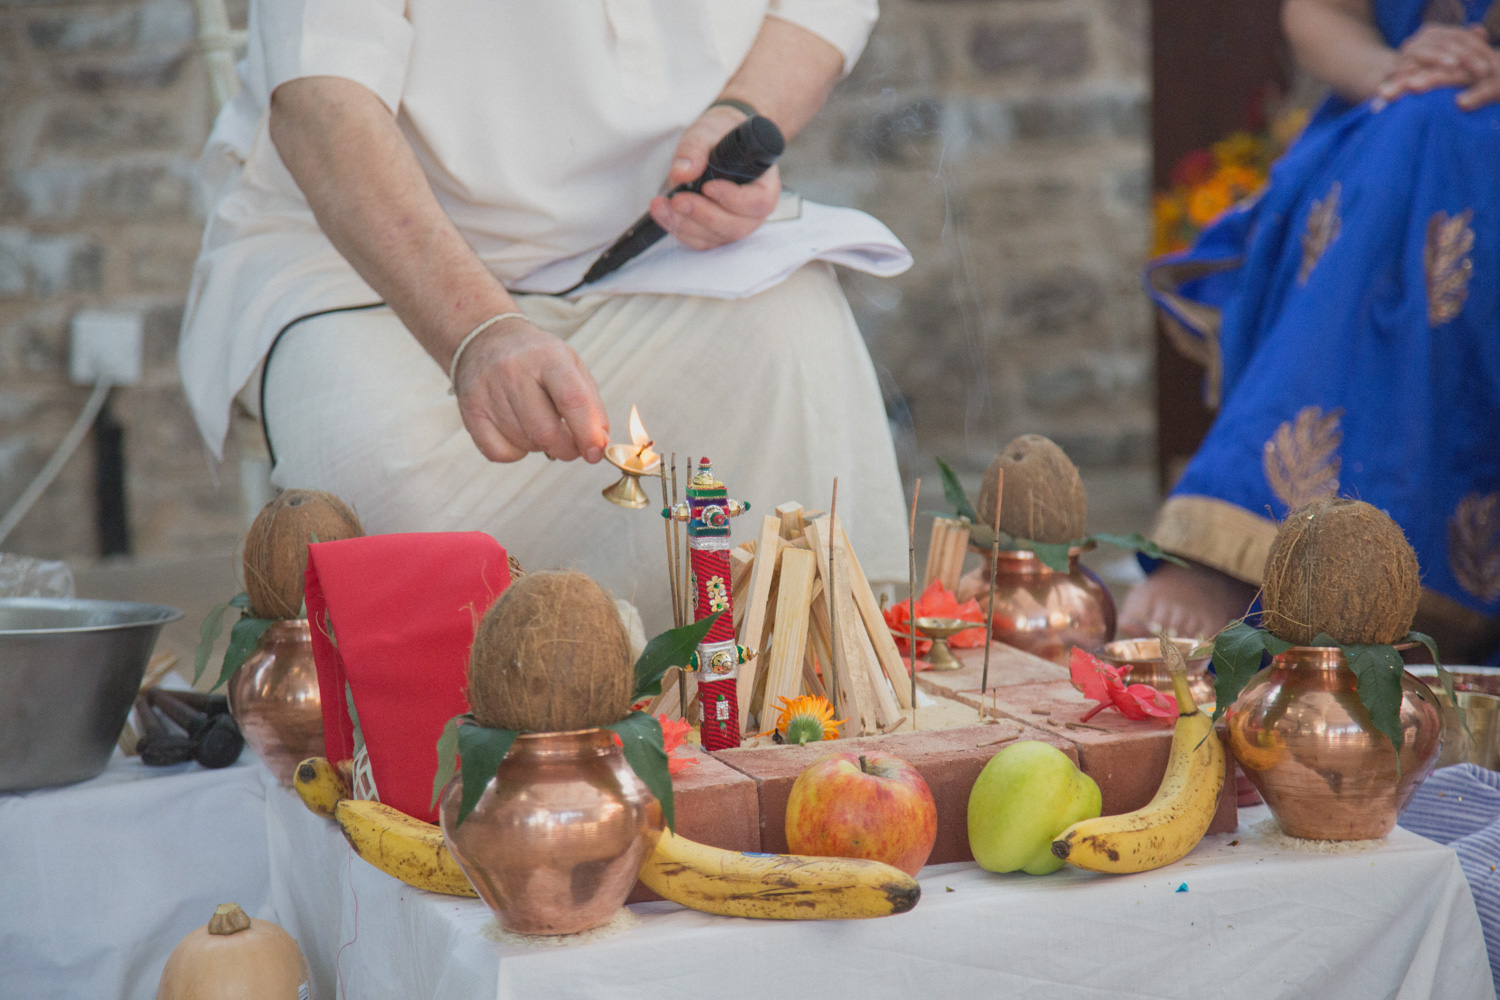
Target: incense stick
[
  {"x": 989, "y": 619},
  {"x": 677, "y": 560},
  {"x": 911, "y": 607},
  {"x": 666, "y": 527},
  {"x": 833, "y": 621}
]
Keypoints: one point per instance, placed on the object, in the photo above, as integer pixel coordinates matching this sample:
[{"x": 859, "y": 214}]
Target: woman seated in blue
[{"x": 1355, "y": 309}]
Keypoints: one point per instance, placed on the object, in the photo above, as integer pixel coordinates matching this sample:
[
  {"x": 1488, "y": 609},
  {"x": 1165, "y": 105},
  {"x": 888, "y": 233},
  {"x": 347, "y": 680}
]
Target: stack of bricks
[{"x": 736, "y": 799}]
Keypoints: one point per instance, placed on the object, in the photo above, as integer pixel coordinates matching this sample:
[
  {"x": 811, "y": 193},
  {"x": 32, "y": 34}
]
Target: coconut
[
  {"x": 275, "y": 556},
  {"x": 1044, "y": 499},
  {"x": 1340, "y": 567},
  {"x": 551, "y": 655}
]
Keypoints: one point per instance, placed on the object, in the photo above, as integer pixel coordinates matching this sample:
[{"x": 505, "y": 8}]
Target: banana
[
  {"x": 320, "y": 785},
  {"x": 401, "y": 846},
  {"x": 1172, "y": 823},
  {"x": 775, "y": 886}
]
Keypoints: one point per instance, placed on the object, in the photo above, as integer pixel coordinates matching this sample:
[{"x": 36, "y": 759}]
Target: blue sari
[{"x": 1350, "y": 317}]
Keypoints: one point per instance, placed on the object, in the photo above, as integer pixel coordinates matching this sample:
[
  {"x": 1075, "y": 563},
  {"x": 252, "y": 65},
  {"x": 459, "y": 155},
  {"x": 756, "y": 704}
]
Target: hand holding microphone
[{"x": 717, "y": 213}]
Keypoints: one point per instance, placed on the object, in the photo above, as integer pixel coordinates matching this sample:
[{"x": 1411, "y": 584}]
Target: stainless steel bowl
[{"x": 69, "y": 672}]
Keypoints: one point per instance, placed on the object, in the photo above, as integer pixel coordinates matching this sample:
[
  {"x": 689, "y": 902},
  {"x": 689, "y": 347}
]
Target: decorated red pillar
[{"x": 718, "y": 659}]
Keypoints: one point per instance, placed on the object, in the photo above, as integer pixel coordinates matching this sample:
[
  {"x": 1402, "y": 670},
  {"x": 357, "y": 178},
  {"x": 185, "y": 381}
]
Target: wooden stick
[
  {"x": 784, "y": 669},
  {"x": 989, "y": 619},
  {"x": 833, "y": 660},
  {"x": 868, "y": 609},
  {"x": 666, "y": 525},
  {"x": 911, "y": 598},
  {"x": 768, "y": 546}
]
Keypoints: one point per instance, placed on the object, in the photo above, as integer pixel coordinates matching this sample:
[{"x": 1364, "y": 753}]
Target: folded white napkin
[{"x": 786, "y": 241}]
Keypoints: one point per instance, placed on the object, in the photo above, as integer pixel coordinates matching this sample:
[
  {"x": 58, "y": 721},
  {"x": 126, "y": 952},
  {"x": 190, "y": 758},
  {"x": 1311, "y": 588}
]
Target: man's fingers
[
  {"x": 571, "y": 390},
  {"x": 540, "y": 419},
  {"x": 755, "y": 200},
  {"x": 492, "y": 444},
  {"x": 701, "y": 224}
]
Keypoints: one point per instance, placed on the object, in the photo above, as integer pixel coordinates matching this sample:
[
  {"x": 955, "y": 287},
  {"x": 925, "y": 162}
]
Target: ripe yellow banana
[
  {"x": 401, "y": 846},
  {"x": 320, "y": 785},
  {"x": 775, "y": 886},
  {"x": 1172, "y": 823}
]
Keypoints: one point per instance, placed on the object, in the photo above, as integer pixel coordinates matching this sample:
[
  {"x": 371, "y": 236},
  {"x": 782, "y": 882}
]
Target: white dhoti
[{"x": 777, "y": 390}]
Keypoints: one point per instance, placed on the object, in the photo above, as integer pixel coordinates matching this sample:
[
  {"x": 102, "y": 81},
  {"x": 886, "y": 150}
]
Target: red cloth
[{"x": 403, "y": 610}]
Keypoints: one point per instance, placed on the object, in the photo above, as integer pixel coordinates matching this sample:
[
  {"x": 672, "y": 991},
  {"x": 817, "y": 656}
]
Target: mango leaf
[
  {"x": 641, "y": 738},
  {"x": 480, "y": 751},
  {"x": 1238, "y": 650},
  {"x": 1378, "y": 668},
  {"x": 359, "y": 733},
  {"x": 447, "y": 755},
  {"x": 208, "y": 632},
  {"x": 242, "y": 639},
  {"x": 1443, "y": 675},
  {"x": 1138, "y": 542},
  {"x": 673, "y": 648},
  {"x": 1054, "y": 555},
  {"x": 953, "y": 491}
]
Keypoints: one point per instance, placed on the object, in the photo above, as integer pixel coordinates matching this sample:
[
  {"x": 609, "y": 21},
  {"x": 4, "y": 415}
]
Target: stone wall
[{"x": 1003, "y": 140}]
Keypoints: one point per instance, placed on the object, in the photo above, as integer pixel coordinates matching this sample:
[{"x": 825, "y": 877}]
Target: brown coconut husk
[
  {"x": 551, "y": 655},
  {"x": 275, "y": 556},
  {"x": 1344, "y": 568},
  {"x": 1044, "y": 499}
]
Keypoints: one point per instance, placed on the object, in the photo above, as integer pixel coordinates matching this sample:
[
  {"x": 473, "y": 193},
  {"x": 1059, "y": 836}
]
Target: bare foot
[{"x": 1191, "y": 600}]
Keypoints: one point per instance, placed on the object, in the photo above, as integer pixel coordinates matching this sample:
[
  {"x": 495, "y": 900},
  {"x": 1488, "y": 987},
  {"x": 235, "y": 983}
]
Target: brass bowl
[
  {"x": 1046, "y": 612},
  {"x": 940, "y": 630},
  {"x": 556, "y": 840},
  {"x": 1478, "y": 691},
  {"x": 1304, "y": 739},
  {"x": 1146, "y": 665},
  {"x": 274, "y": 697}
]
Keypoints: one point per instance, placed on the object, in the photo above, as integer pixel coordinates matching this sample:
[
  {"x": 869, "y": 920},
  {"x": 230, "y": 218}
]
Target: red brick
[
  {"x": 1008, "y": 666},
  {"x": 715, "y": 805},
  {"x": 948, "y": 759},
  {"x": 1125, "y": 757}
]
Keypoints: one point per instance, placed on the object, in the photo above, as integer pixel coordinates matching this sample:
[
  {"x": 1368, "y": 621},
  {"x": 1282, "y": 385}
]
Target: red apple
[{"x": 870, "y": 805}]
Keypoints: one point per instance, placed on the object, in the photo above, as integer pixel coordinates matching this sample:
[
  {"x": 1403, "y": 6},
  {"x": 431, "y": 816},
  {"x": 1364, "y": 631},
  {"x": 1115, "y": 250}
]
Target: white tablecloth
[
  {"x": 100, "y": 880},
  {"x": 1256, "y": 920}
]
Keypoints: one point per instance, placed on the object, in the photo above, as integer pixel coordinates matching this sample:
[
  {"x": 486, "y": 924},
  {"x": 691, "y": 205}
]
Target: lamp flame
[{"x": 643, "y": 456}]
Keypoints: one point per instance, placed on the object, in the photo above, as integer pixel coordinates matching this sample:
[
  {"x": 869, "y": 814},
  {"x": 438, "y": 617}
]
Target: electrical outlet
[{"x": 106, "y": 346}]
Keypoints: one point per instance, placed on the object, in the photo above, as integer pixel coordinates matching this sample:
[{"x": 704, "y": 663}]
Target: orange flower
[
  {"x": 1208, "y": 201},
  {"x": 1242, "y": 181},
  {"x": 937, "y": 601},
  {"x": 673, "y": 735},
  {"x": 806, "y": 719},
  {"x": 1240, "y": 149}
]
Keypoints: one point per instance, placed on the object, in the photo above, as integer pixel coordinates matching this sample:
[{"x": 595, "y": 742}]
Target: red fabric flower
[
  {"x": 936, "y": 601},
  {"x": 1193, "y": 169},
  {"x": 1105, "y": 684},
  {"x": 673, "y": 734}
]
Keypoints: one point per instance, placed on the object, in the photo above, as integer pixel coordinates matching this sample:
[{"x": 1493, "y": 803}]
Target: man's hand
[
  {"x": 521, "y": 390},
  {"x": 725, "y": 211},
  {"x": 1446, "y": 56}
]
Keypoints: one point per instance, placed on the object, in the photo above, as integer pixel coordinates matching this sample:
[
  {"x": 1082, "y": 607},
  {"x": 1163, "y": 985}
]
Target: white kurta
[{"x": 544, "y": 129}]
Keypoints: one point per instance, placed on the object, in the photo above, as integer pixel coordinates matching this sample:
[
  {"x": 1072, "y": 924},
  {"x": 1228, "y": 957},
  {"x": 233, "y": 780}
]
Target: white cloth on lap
[{"x": 777, "y": 389}]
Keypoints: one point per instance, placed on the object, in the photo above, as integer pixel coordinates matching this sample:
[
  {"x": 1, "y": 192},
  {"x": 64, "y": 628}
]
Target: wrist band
[
  {"x": 743, "y": 107},
  {"x": 459, "y": 351}
]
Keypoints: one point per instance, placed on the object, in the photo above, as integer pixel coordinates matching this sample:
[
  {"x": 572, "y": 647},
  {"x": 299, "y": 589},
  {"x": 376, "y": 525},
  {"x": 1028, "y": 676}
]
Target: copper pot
[
  {"x": 274, "y": 698},
  {"x": 1047, "y": 612},
  {"x": 1305, "y": 741},
  {"x": 555, "y": 842},
  {"x": 1146, "y": 666}
]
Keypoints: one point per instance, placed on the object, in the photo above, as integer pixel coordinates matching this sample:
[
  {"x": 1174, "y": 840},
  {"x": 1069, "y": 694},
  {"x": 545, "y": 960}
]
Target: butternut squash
[{"x": 234, "y": 958}]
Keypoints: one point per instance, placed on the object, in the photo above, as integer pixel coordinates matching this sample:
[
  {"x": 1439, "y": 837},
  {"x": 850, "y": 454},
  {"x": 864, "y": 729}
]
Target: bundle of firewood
[{"x": 804, "y": 608}]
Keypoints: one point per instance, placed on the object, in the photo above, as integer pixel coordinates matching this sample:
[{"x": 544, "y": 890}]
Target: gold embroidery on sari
[
  {"x": 1474, "y": 545},
  {"x": 1446, "y": 257},
  {"x": 1301, "y": 459},
  {"x": 1322, "y": 229},
  {"x": 1445, "y": 12}
]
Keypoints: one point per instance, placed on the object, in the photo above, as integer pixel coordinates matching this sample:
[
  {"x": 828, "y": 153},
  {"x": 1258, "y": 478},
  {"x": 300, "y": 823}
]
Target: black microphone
[{"x": 741, "y": 156}]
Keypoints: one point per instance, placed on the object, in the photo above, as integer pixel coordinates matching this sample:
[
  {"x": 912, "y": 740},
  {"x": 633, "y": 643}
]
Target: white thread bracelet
[{"x": 459, "y": 351}]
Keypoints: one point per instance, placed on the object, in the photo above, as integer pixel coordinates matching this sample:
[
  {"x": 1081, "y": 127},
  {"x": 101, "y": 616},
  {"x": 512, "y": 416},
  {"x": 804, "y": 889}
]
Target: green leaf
[
  {"x": 953, "y": 490},
  {"x": 673, "y": 648},
  {"x": 1237, "y": 655},
  {"x": 1324, "y": 639},
  {"x": 447, "y": 755},
  {"x": 480, "y": 751},
  {"x": 242, "y": 639},
  {"x": 1275, "y": 646},
  {"x": 1378, "y": 668},
  {"x": 359, "y": 733},
  {"x": 1443, "y": 675},
  {"x": 208, "y": 633},
  {"x": 1139, "y": 543},
  {"x": 1054, "y": 555},
  {"x": 641, "y": 736}
]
